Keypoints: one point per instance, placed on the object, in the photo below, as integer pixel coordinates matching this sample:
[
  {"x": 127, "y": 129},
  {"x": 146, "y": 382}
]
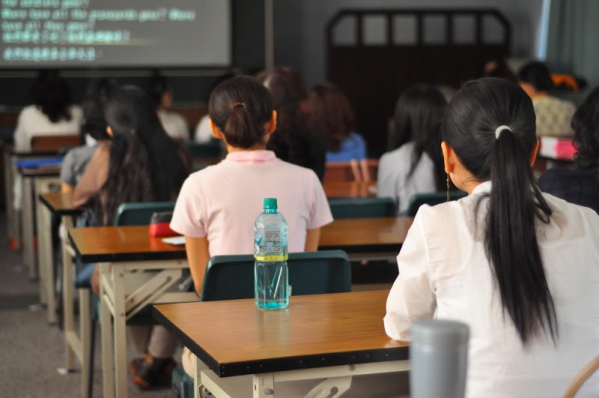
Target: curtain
[{"x": 573, "y": 38}]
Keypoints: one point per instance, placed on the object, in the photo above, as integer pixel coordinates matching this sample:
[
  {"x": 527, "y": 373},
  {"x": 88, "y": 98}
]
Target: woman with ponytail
[
  {"x": 521, "y": 268},
  {"x": 140, "y": 163},
  {"x": 218, "y": 205}
]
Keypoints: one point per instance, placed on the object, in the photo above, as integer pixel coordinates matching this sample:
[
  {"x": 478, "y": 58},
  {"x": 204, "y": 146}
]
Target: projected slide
[{"x": 115, "y": 33}]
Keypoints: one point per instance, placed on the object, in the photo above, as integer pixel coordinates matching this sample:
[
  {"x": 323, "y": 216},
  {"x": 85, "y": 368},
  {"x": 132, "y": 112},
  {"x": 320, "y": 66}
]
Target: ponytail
[
  {"x": 241, "y": 130},
  {"x": 511, "y": 240}
]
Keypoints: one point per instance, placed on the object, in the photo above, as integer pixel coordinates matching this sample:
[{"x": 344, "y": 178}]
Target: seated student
[
  {"x": 141, "y": 163},
  {"x": 218, "y": 205},
  {"x": 174, "y": 124},
  {"x": 415, "y": 163},
  {"x": 294, "y": 141},
  {"x": 331, "y": 114},
  {"x": 517, "y": 266},
  {"x": 51, "y": 113},
  {"x": 553, "y": 115},
  {"x": 580, "y": 186},
  {"x": 94, "y": 124}
]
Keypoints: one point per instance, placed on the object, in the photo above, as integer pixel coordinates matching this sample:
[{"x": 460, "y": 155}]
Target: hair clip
[
  {"x": 499, "y": 129},
  {"x": 239, "y": 104}
]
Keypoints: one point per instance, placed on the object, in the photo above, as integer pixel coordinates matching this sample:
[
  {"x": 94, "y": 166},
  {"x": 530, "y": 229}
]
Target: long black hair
[
  {"x": 515, "y": 201},
  {"x": 585, "y": 124},
  {"x": 97, "y": 95},
  {"x": 536, "y": 74},
  {"x": 418, "y": 114},
  {"x": 146, "y": 165},
  {"x": 240, "y": 107},
  {"x": 52, "y": 95}
]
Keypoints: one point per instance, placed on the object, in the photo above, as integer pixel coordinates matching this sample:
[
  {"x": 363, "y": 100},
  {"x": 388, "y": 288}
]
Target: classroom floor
[{"x": 32, "y": 351}]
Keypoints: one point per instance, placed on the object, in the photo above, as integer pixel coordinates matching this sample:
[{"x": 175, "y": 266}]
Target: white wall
[{"x": 300, "y": 38}]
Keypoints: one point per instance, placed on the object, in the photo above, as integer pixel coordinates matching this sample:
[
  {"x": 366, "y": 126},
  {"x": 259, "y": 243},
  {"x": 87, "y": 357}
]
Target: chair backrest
[
  {"x": 54, "y": 142},
  {"x": 204, "y": 150},
  {"x": 362, "y": 208},
  {"x": 232, "y": 277},
  {"x": 581, "y": 378},
  {"x": 342, "y": 171},
  {"x": 140, "y": 213},
  {"x": 431, "y": 199}
]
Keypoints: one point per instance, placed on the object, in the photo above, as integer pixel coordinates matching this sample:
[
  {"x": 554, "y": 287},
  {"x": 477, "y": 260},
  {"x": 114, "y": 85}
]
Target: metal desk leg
[
  {"x": 28, "y": 228},
  {"x": 264, "y": 385},
  {"x": 106, "y": 331},
  {"x": 45, "y": 258},
  {"x": 68, "y": 282},
  {"x": 120, "y": 331}
]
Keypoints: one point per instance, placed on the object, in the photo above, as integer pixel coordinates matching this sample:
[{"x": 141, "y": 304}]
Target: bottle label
[{"x": 283, "y": 257}]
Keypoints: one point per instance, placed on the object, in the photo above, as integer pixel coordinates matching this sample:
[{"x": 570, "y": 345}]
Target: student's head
[
  {"x": 418, "y": 113},
  {"x": 286, "y": 85},
  {"x": 52, "y": 96},
  {"x": 97, "y": 95},
  {"x": 241, "y": 112},
  {"x": 489, "y": 135},
  {"x": 499, "y": 68},
  {"x": 145, "y": 163},
  {"x": 585, "y": 124},
  {"x": 535, "y": 78},
  {"x": 158, "y": 89},
  {"x": 330, "y": 109}
]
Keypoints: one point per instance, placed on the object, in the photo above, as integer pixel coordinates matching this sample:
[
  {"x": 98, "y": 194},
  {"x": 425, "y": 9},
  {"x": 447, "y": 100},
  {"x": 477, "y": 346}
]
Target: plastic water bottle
[{"x": 271, "y": 283}]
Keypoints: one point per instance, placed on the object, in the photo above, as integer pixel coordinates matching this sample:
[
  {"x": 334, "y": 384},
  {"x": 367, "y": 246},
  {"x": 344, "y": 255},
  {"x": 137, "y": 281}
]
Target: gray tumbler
[{"x": 438, "y": 359}]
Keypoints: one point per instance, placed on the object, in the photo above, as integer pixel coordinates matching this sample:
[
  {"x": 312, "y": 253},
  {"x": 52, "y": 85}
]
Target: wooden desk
[
  {"x": 349, "y": 189},
  {"x": 366, "y": 238},
  {"x": 341, "y": 335},
  {"x": 34, "y": 181},
  {"x": 121, "y": 253}
]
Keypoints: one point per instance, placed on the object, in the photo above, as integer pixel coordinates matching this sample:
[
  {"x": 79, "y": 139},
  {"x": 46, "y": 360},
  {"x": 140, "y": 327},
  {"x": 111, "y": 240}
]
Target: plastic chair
[
  {"x": 140, "y": 213},
  {"x": 197, "y": 150},
  {"x": 581, "y": 378},
  {"x": 54, "y": 142},
  {"x": 231, "y": 277},
  {"x": 431, "y": 199},
  {"x": 362, "y": 208}
]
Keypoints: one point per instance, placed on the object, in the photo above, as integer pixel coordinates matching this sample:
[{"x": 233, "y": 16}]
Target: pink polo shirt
[{"x": 223, "y": 201}]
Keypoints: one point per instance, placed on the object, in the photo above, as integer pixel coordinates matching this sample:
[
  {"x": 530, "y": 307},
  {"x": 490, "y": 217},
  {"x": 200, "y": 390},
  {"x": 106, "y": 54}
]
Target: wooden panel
[
  {"x": 310, "y": 332},
  {"x": 351, "y": 189},
  {"x": 54, "y": 142}
]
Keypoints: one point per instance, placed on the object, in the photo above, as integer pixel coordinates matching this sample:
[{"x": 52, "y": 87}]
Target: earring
[{"x": 448, "y": 188}]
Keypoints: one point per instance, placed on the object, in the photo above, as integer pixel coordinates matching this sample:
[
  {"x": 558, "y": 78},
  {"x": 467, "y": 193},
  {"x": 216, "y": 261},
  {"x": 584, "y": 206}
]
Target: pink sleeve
[
  {"x": 320, "y": 213},
  {"x": 188, "y": 218}
]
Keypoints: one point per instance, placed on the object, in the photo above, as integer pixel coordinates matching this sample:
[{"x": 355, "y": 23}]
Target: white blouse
[
  {"x": 444, "y": 273},
  {"x": 33, "y": 122}
]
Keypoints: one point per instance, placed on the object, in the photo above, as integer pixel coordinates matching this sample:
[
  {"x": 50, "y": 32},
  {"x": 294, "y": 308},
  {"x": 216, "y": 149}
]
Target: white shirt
[
  {"x": 203, "y": 132},
  {"x": 393, "y": 181},
  {"x": 444, "y": 272},
  {"x": 33, "y": 122},
  {"x": 174, "y": 124}
]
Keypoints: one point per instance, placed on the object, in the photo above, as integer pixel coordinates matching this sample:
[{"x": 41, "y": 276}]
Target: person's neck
[{"x": 256, "y": 147}]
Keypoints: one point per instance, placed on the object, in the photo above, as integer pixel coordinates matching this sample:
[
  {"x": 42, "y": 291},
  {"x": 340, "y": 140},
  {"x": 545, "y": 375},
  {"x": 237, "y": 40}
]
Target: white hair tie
[{"x": 499, "y": 129}]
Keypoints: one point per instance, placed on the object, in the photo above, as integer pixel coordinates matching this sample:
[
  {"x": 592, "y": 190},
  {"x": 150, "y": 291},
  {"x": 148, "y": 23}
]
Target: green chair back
[
  {"x": 431, "y": 199},
  {"x": 197, "y": 150},
  {"x": 231, "y": 277},
  {"x": 362, "y": 208},
  {"x": 140, "y": 213}
]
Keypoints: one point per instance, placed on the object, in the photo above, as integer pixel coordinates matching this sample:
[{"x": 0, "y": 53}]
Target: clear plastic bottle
[{"x": 271, "y": 282}]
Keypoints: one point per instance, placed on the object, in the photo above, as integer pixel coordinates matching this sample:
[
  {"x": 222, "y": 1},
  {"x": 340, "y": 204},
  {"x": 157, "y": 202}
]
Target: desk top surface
[
  {"x": 349, "y": 189},
  {"x": 365, "y": 234},
  {"x": 52, "y": 171},
  {"x": 234, "y": 337},
  {"x": 104, "y": 244},
  {"x": 60, "y": 203}
]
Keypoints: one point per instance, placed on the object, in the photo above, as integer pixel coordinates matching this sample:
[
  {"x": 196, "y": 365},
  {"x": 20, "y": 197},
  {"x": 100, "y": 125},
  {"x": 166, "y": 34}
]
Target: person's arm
[
  {"x": 198, "y": 255},
  {"x": 312, "y": 239},
  {"x": 66, "y": 188},
  {"x": 94, "y": 176},
  {"x": 411, "y": 296}
]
